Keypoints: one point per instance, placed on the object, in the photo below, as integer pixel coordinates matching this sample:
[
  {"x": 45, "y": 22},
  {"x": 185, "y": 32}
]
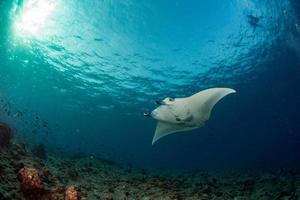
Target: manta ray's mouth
[{"x": 160, "y": 102}]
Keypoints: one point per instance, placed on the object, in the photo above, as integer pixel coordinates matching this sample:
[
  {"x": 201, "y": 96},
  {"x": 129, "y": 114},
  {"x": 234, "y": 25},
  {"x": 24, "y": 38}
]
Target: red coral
[
  {"x": 30, "y": 180},
  {"x": 71, "y": 193}
]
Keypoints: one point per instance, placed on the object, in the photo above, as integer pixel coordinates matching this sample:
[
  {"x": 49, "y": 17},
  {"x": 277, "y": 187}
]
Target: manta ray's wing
[
  {"x": 164, "y": 128},
  {"x": 203, "y": 102}
]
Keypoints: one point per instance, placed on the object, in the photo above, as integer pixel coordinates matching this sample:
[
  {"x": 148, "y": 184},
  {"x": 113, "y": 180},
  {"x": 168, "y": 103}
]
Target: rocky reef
[
  {"x": 26, "y": 175},
  {"x": 5, "y": 135}
]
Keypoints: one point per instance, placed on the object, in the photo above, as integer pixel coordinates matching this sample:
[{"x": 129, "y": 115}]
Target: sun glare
[{"x": 33, "y": 17}]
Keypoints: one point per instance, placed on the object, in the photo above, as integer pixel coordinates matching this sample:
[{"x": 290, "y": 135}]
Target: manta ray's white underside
[{"x": 184, "y": 114}]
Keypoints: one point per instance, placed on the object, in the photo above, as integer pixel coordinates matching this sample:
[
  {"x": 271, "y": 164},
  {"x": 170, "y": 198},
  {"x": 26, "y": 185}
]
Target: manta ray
[{"x": 184, "y": 114}]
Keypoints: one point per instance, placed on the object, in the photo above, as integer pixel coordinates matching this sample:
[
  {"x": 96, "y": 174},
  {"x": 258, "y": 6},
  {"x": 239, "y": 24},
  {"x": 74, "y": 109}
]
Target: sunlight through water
[{"x": 33, "y": 18}]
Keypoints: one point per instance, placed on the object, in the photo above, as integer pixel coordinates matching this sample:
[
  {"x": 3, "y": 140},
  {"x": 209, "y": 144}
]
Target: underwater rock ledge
[
  {"x": 24, "y": 176},
  {"x": 5, "y": 135}
]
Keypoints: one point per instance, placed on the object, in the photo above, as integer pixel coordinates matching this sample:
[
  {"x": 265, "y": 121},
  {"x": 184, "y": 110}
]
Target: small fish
[
  {"x": 253, "y": 21},
  {"x": 18, "y": 114}
]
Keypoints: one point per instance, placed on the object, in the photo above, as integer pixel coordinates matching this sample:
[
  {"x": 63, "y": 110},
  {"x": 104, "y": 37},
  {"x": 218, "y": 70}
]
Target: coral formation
[
  {"x": 30, "y": 180},
  {"x": 71, "y": 193}
]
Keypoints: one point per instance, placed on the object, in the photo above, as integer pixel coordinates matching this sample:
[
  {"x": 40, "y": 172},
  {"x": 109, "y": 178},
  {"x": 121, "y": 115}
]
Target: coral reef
[{"x": 62, "y": 177}]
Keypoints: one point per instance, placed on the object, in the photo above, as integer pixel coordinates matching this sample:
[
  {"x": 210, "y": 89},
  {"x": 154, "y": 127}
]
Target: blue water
[{"x": 77, "y": 76}]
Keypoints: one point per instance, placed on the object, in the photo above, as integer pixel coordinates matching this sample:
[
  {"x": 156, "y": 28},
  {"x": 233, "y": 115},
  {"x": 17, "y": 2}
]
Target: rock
[
  {"x": 30, "y": 180},
  {"x": 73, "y": 174},
  {"x": 71, "y": 193},
  {"x": 240, "y": 198},
  {"x": 46, "y": 173},
  {"x": 56, "y": 193},
  {"x": 5, "y": 135},
  {"x": 40, "y": 151},
  {"x": 18, "y": 166}
]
